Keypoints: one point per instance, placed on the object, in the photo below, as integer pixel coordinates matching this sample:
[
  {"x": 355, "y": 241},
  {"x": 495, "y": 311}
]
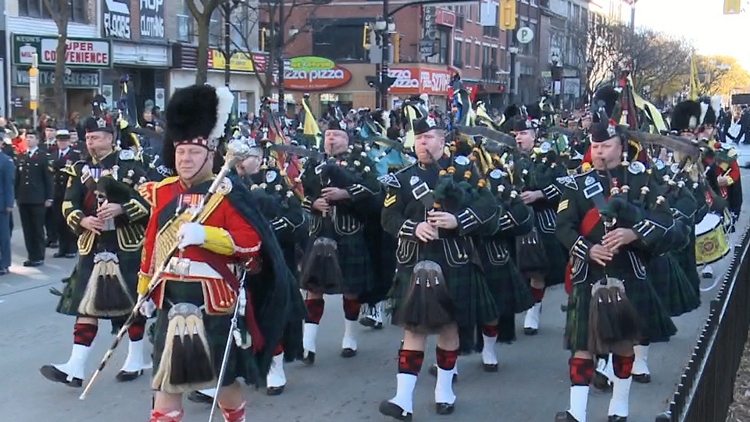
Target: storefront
[
  {"x": 331, "y": 83},
  {"x": 146, "y": 65},
  {"x": 244, "y": 82},
  {"x": 83, "y": 70},
  {"x": 84, "y": 59}
]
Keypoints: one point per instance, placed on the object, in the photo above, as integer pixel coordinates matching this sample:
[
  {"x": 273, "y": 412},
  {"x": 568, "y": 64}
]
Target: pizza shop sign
[
  {"x": 418, "y": 81},
  {"x": 309, "y": 73},
  {"x": 79, "y": 52}
]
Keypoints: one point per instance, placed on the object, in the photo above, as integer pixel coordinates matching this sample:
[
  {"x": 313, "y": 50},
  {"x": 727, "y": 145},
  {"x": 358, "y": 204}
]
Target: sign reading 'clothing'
[
  {"x": 79, "y": 52},
  {"x": 152, "y": 19}
]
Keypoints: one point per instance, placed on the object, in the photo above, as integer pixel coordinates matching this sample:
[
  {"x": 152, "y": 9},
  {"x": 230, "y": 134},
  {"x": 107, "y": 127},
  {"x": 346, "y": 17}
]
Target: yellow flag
[
  {"x": 311, "y": 125},
  {"x": 693, "y": 79}
]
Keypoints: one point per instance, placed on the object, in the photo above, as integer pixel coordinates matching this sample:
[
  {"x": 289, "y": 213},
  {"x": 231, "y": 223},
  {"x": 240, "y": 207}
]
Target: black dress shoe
[
  {"x": 308, "y": 358},
  {"x": 642, "y": 378},
  {"x": 444, "y": 408},
  {"x": 601, "y": 382},
  {"x": 55, "y": 375},
  {"x": 53, "y": 245},
  {"x": 565, "y": 417},
  {"x": 393, "y": 410},
  {"x": 433, "y": 371},
  {"x": 615, "y": 418},
  {"x": 198, "y": 397},
  {"x": 70, "y": 255},
  {"x": 348, "y": 353},
  {"x": 33, "y": 263},
  {"x": 490, "y": 367},
  {"x": 125, "y": 376},
  {"x": 275, "y": 391},
  {"x": 58, "y": 255}
]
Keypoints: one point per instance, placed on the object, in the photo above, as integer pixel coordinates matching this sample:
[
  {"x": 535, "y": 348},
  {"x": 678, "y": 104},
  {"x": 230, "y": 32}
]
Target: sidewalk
[{"x": 739, "y": 410}]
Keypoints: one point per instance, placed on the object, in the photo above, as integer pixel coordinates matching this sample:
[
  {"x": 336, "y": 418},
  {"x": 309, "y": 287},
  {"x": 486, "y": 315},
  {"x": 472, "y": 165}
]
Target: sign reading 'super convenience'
[{"x": 80, "y": 52}]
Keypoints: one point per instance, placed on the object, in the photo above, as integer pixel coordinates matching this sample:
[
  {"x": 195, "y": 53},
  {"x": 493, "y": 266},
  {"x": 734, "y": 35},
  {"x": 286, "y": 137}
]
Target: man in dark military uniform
[
  {"x": 63, "y": 158},
  {"x": 339, "y": 194},
  {"x": 102, "y": 207},
  {"x": 50, "y": 216},
  {"x": 34, "y": 196},
  {"x": 639, "y": 225},
  {"x": 436, "y": 249}
]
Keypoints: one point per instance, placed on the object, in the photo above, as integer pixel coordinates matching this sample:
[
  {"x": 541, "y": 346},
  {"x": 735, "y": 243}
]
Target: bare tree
[
  {"x": 247, "y": 21},
  {"x": 595, "y": 43},
  {"x": 657, "y": 59},
  {"x": 59, "y": 10},
  {"x": 202, "y": 10}
]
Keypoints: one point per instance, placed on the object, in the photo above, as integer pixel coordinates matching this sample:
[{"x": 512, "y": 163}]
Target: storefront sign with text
[
  {"x": 420, "y": 81},
  {"x": 81, "y": 79},
  {"x": 240, "y": 61},
  {"x": 79, "y": 53},
  {"x": 314, "y": 74}
]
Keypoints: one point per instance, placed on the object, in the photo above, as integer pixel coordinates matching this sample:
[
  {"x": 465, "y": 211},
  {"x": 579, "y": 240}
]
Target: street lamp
[{"x": 513, "y": 50}]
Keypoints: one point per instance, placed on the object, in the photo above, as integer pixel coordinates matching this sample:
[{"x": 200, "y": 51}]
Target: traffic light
[
  {"x": 507, "y": 15},
  {"x": 366, "y": 30},
  {"x": 397, "y": 47},
  {"x": 374, "y": 81},
  {"x": 732, "y": 7}
]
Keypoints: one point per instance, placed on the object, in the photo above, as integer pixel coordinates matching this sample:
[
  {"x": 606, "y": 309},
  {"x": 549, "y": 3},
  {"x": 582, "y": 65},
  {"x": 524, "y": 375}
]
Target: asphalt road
[{"x": 532, "y": 384}]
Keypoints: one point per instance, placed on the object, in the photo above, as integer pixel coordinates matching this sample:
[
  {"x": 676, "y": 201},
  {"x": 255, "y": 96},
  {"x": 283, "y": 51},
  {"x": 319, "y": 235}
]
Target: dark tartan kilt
[
  {"x": 686, "y": 260},
  {"x": 672, "y": 286},
  {"x": 510, "y": 291},
  {"x": 356, "y": 267},
  {"x": 74, "y": 289},
  {"x": 656, "y": 324},
  {"x": 473, "y": 300},
  {"x": 241, "y": 362},
  {"x": 557, "y": 257}
]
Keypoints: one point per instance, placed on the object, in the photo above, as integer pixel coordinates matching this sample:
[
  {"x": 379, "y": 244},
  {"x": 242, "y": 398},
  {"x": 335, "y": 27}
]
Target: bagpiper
[
  {"x": 435, "y": 207},
  {"x": 535, "y": 170},
  {"x": 340, "y": 195},
  {"x": 102, "y": 207},
  {"x": 206, "y": 242},
  {"x": 612, "y": 219}
]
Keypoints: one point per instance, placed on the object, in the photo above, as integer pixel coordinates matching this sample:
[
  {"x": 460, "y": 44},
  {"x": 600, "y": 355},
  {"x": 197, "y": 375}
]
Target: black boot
[
  {"x": 565, "y": 417},
  {"x": 393, "y": 410}
]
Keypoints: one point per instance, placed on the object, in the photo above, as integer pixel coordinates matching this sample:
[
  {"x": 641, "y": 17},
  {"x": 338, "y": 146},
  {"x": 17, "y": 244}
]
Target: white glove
[
  {"x": 148, "y": 308},
  {"x": 191, "y": 234}
]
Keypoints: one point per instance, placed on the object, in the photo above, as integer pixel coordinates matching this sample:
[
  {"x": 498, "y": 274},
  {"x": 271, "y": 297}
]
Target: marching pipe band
[{"x": 455, "y": 224}]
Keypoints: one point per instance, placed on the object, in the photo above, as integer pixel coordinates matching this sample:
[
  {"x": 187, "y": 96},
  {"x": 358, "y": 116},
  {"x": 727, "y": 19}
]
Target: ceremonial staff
[{"x": 234, "y": 153}]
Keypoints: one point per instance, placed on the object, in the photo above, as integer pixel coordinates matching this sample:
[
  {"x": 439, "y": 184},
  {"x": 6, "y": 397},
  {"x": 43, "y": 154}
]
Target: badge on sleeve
[
  {"x": 589, "y": 181},
  {"x": 414, "y": 180},
  {"x": 636, "y": 167},
  {"x": 563, "y": 205}
]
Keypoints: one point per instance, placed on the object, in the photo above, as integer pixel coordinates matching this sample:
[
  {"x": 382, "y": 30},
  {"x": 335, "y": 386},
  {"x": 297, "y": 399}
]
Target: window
[
  {"x": 184, "y": 28},
  {"x": 37, "y": 9},
  {"x": 467, "y": 59},
  {"x": 493, "y": 54},
  {"x": 215, "y": 29},
  {"x": 478, "y": 51},
  {"x": 444, "y": 40},
  {"x": 241, "y": 27},
  {"x": 472, "y": 13},
  {"x": 339, "y": 42},
  {"x": 458, "y": 50},
  {"x": 491, "y": 31}
]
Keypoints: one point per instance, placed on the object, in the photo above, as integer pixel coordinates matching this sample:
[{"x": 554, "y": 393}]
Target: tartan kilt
[
  {"x": 656, "y": 325},
  {"x": 474, "y": 303},
  {"x": 557, "y": 257},
  {"x": 686, "y": 260},
  {"x": 75, "y": 288},
  {"x": 511, "y": 292},
  {"x": 356, "y": 267},
  {"x": 241, "y": 362},
  {"x": 674, "y": 291}
]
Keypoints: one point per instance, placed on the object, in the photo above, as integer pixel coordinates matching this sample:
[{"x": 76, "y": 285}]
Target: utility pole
[
  {"x": 280, "y": 58},
  {"x": 386, "y": 39}
]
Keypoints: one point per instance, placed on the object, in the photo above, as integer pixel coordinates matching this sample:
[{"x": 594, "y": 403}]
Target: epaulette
[{"x": 167, "y": 181}]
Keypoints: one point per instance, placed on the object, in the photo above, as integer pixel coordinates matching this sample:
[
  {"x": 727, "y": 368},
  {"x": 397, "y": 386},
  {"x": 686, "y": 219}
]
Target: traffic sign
[{"x": 525, "y": 35}]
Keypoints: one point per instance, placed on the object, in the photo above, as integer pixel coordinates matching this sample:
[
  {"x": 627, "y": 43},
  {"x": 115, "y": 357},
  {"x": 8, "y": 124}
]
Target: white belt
[{"x": 189, "y": 268}]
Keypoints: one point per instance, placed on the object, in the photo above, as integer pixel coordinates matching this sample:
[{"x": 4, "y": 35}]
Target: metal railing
[{"x": 705, "y": 389}]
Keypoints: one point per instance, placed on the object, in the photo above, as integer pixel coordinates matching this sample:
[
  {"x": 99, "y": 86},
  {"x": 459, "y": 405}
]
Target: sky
[{"x": 711, "y": 31}]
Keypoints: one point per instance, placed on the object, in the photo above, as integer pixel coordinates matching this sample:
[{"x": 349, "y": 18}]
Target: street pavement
[{"x": 532, "y": 384}]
